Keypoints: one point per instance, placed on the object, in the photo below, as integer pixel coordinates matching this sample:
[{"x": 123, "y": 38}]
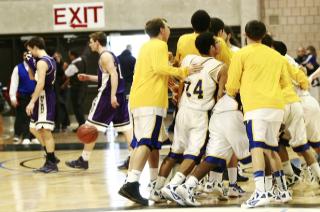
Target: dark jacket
[{"x": 127, "y": 62}]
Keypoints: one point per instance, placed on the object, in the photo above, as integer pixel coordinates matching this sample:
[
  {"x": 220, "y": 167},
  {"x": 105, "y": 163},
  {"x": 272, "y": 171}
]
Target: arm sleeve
[
  {"x": 285, "y": 80},
  {"x": 234, "y": 75},
  {"x": 14, "y": 84},
  {"x": 71, "y": 70},
  {"x": 297, "y": 75},
  {"x": 225, "y": 52},
  {"x": 160, "y": 63}
]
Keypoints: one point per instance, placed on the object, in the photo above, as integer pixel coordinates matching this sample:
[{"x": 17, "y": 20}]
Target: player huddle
[{"x": 234, "y": 106}]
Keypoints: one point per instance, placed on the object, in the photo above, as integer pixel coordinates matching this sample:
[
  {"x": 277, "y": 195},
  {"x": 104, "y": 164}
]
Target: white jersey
[{"x": 199, "y": 88}]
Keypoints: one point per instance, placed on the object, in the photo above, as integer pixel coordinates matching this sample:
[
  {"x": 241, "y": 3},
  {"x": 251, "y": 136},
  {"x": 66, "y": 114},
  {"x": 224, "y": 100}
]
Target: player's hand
[
  {"x": 114, "y": 102},
  {"x": 14, "y": 103},
  {"x": 83, "y": 77},
  {"x": 194, "y": 68},
  {"x": 29, "y": 108},
  {"x": 31, "y": 62}
]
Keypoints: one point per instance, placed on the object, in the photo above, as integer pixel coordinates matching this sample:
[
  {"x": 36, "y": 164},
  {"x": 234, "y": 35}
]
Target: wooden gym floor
[{"x": 97, "y": 188}]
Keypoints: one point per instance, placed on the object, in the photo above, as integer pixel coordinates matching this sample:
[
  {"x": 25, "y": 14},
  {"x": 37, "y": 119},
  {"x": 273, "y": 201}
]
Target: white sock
[
  {"x": 160, "y": 182},
  {"x": 315, "y": 169},
  {"x": 215, "y": 176},
  {"x": 232, "y": 173},
  {"x": 86, "y": 155},
  {"x": 192, "y": 181},
  {"x": 287, "y": 168},
  {"x": 153, "y": 174},
  {"x": 178, "y": 179},
  {"x": 133, "y": 176},
  {"x": 259, "y": 181},
  {"x": 268, "y": 183}
]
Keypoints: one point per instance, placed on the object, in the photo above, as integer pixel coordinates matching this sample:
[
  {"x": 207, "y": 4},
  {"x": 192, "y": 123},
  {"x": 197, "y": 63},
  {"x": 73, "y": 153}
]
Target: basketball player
[
  {"x": 149, "y": 101},
  {"x": 225, "y": 140},
  {"x": 295, "y": 123},
  {"x": 259, "y": 74},
  {"x": 110, "y": 105},
  {"x": 192, "y": 118},
  {"x": 41, "y": 107}
]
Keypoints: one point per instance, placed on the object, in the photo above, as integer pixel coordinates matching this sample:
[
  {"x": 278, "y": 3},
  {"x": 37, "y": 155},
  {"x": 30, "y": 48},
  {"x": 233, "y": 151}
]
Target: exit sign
[{"x": 78, "y": 16}]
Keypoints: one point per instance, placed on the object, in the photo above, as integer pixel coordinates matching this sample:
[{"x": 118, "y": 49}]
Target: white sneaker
[
  {"x": 151, "y": 185},
  {"x": 26, "y": 141},
  {"x": 187, "y": 195},
  {"x": 235, "y": 191},
  {"x": 34, "y": 141},
  {"x": 283, "y": 196},
  {"x": 169, "y": 192},
  {"x": 292, "y": 180},
  {"x": 156, "y": 196},
  {"x": 256, "y": 199},
  {"x": 16, "y": 140},
  {"x": 208, "y": 186},
  {"x": 218, "y": 188}
]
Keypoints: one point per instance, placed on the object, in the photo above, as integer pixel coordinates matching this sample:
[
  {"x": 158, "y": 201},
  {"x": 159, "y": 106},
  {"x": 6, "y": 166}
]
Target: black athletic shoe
[
  {"x": 131, "y": 192},
  {"x": 241, "y": 178},
  {"x": 125, "y": 164},
  {"x": 78, "y": 164},
  {"x": 48, "y": 167}
]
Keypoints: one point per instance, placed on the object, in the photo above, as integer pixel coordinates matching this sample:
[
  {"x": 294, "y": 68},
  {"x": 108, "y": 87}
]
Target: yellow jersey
[
  {"x": 225, "y": 54},
  {"x": 150, "y": 80},
  {"x": 260, "y": 74},
  {"x": 186, "y": 45}
]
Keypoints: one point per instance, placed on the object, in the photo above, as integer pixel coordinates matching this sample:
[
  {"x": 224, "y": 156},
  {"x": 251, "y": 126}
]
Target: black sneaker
[
  {"x": 125, "y": 164},
  {"x": 78, "y": 164},
  {"x": 131, "y": 192},
  {"x": 241, "y": 178},
  {"x": 48, "y": 167}
]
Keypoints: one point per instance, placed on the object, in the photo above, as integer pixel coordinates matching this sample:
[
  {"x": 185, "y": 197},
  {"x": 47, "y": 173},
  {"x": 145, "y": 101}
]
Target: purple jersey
[
  {"x": 51, "y": 72},
  {"x": 104, "y": 81}
]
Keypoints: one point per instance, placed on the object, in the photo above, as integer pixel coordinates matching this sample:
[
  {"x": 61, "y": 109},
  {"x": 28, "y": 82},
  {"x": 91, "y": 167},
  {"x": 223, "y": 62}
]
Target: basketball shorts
[
  {"x": 190, "y": 133},
  {"x": 227, "y": 136},
  {"x": 102, "y": 113},
  {"x": 44, "y": 111}
]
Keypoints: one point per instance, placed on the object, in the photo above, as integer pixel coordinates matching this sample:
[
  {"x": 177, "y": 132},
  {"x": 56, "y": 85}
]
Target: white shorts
[
  {"x": 227, "y": 136},
  {"x": 190, "y": 133},
  {"x": 311, "y": 111},
  {"x": 294, "y": 123},
  {"x": 149, "y": 130}
]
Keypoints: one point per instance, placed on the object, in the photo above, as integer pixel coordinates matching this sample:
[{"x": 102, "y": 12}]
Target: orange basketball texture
[{"x": 87, "y": 133}]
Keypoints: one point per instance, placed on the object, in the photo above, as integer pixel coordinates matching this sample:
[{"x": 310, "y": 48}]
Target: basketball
[{"x": 87, "y": 133}]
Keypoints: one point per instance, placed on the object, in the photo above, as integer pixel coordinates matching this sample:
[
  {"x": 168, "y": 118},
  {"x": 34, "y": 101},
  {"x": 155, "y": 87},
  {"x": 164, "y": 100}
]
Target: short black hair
[
  {"x": 36, "y": 41},
  {"x": 99, "y": 36},
  {"x": 267, "y": 40},
  {"x": 216, "y": 25},
  {"x": 200, "y": 21},
  {"x": 255, "y": 30},
  {"x": 280, "y": 47},
  {"x": 73, "y": 53},
  {"x": 153, "y": 26},
  {"x": 204, "y": 41}
]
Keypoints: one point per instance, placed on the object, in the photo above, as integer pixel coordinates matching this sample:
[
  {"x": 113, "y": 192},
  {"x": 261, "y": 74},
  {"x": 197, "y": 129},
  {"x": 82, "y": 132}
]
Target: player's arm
[
  {"x": 42, "y": 68},
  {"x": 314, "y": 75},
  {"x": 107, "y": 63},
  {"x": 160, "y": 64},
  {"x": 285, "y": 80},
  {"x": 225, "y": 54},
  {"x": 297, "y": 75},
  {"x": 14, "y": 83},
  {"x": 222, "y": 80},
  {"x": 87, "y": 77},
  {"x": 234, "y": 75}
]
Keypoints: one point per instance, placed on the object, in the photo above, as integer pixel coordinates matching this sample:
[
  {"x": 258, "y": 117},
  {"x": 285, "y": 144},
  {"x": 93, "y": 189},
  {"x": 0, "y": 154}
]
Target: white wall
[{"x": 36, "y": 16}]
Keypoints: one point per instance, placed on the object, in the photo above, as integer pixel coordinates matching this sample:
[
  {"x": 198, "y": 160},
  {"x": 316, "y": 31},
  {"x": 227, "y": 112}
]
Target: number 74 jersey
[{"x": 199, "y": 88}]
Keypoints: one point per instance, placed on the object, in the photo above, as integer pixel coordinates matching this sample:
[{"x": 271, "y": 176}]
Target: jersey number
[{"x": 197, "y": 89}]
